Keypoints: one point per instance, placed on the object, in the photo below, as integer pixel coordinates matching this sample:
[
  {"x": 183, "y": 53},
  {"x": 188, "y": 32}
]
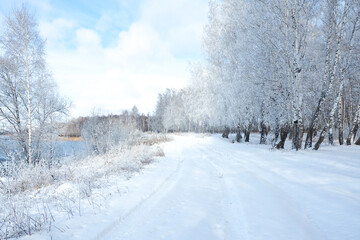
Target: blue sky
[{"x": 113, "y": 54}]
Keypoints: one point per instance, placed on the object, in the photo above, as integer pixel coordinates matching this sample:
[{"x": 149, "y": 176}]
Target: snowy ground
[{"x": 208, "y": 188}]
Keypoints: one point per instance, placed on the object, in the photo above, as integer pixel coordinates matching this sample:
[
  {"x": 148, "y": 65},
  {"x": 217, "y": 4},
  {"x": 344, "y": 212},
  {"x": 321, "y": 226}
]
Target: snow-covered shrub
[
  {"x": 20, "y": 217},
  {"x": 151, "y": 139},
  {"x": 159, "y": 152},
  {"x": 25, "y": 177},
  {"x": 101, "y": 134}
]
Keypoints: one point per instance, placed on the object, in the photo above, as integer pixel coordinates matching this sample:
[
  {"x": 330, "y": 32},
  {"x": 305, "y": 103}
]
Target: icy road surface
[{"x": 207, "y": 188}]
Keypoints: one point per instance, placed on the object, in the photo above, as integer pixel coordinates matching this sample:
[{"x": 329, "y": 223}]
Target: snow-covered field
[{"x": 208, "y": 188}]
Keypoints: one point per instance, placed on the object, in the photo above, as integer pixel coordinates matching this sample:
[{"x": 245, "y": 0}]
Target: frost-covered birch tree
[
  {"x": 29, "y": 102},
  {"x": 277, "y": 67}
]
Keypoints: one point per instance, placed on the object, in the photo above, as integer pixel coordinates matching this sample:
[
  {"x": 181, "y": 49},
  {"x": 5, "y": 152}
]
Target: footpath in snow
[{"x": 207, "y": 188}]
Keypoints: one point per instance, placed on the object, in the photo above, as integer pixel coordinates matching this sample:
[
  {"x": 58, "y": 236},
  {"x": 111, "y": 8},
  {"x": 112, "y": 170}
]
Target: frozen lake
[{"x": 62, "y": 148}]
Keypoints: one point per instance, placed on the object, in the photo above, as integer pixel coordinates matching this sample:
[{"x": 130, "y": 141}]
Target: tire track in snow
[
  {"x": 303, "y": 214},
  {"x": 167, "y": 184},
  {"x": 235, "y": 224},
  {"x": 156, "y": 207},
  {"x": 289, "y": 207}
]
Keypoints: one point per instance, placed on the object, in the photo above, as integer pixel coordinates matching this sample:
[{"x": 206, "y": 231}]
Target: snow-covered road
[
  {"x": 224, "y": 191},
  {"x": 207, "y": 188}
]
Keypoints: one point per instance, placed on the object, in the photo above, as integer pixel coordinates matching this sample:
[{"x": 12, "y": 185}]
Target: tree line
[
  {"x": 132, "y": 118},
  {"x": 285, "y": 68}
]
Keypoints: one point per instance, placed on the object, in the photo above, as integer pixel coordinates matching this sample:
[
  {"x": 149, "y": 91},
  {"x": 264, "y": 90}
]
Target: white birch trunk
[
  {"x": 355, "y": 122},
  {"x": 341, "y": 120},
  {"x": 331, "y": 116},
  {"x": 29, "y": 157},
  {"x": 297, "y": 85},
  {"x": 329, "y": 74}
]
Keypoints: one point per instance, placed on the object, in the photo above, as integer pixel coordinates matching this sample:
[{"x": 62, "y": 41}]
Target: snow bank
[{"x": 33, "y": 198}]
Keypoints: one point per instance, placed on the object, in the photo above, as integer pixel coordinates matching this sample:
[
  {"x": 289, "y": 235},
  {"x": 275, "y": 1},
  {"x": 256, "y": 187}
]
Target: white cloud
[
  {"x": 140, "y": 43},
  {"x": 179, "y": 22},
  {"x": 88, "y": 42},
  {"x": 56, "y": 30},
  {"x": 140, "y": 64}
]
